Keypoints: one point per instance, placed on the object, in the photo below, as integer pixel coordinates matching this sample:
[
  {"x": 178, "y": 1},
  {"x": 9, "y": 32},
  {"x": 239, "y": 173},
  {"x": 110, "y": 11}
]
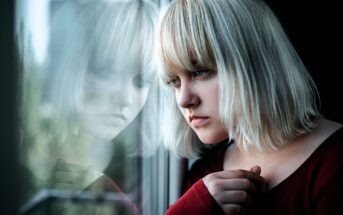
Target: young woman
[{"x": 241, "y": 98}]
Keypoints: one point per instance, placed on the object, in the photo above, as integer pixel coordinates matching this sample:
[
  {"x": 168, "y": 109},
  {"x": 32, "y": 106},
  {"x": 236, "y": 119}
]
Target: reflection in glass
[{"x": 88, "y": 106}]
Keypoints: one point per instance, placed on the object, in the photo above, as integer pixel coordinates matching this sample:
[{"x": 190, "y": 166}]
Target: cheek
[
  {"x": 176, "y": 98},
  {"x": 96, "y": 91},
  {"x": 139, "y": 98},
  {"x": 213, "y": 98},
  {"x": 182, "y": 110},
  {"x": 90, "y": 91}
]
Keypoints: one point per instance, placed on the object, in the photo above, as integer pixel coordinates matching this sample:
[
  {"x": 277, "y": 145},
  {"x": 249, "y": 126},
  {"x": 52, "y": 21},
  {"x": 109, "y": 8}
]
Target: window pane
[{"x": 89, "y": 107}]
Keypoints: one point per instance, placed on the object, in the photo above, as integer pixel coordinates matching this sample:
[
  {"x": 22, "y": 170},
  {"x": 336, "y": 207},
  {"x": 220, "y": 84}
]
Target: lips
[
  {"x": 115, "y": 119},
  {"x": 198, "y": 121}
]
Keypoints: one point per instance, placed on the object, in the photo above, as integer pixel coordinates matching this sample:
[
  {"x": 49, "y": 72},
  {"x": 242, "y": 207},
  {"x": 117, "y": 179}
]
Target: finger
[
  {"x": 66, "y": 177},
  {"x": 258, "y": 180},
  {"x": 238, "y": 184},
  {"x": 66, "y": 186},
  {"x": 231, "y": 209},
  {"x": 240, "y": 173},
  {"x": 256, "y": 169},
  {"x": 262, "y": 185},
  {"x": 255, "y": 178},
  {"x": 234, "y": 196},
  {"x": 62, "y": 165},
  {"x": 63, "y": 186}
]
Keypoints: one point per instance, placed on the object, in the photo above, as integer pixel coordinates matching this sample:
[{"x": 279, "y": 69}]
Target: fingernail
[{"x": 256, "y": 169}]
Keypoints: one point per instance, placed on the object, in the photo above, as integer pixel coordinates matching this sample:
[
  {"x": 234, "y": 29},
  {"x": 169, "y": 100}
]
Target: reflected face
[
  {"x": 197, "y": 97},
  {"x": 113, "y": 97}
]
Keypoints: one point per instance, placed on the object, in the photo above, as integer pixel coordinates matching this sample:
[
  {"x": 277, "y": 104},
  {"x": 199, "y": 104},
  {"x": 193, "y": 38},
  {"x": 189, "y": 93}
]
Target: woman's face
[
  {"x": 197, "y": 97},
  {"x": 113, "y": 96}
]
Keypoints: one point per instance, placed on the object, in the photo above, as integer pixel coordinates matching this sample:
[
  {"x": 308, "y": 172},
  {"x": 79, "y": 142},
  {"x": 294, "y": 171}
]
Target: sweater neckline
[{"x": 307, "y": 162}]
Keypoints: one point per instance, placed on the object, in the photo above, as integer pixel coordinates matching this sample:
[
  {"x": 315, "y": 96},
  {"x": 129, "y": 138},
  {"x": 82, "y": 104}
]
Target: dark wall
[
  {"x": 8, "y": 79},
  {"x": 313, "y": 28}
]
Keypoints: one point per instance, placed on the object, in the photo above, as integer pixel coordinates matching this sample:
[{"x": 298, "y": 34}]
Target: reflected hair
[
  {"x": 266, "y": 94},
  {"x": 82, "y": 33}
]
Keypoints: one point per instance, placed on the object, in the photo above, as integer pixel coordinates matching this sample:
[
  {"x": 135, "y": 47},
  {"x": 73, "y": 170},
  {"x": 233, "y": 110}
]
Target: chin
[
  {"x": 212, "y": 138},
  {"x": 103, "y": 133}
]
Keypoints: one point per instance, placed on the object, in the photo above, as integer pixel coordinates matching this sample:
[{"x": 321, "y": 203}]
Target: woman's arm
[{"x": 224, "y": 192}]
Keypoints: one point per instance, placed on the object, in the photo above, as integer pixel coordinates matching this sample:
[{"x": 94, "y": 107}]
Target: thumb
[{"x": 256, "y": 169}]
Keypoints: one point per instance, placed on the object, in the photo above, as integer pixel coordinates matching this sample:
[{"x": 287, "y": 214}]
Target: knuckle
[
  {"x": 208, "y": 178},
  {"x": 220, "y": 199},
  {"x": 217, "y": 184},
  {"x": 244, "y": 196},
  {"x": 233, "y": 209},
  {"x": 241, "y": 196},
  {"x": 213, "y": 184},
  {"x": 61, "y": 186},
  {"x": 215, "y": 175},
  {"x": 215, "y": 187},
  {"x": 246, "y": 183},
  {"x": 239, "y": 173},
  {"x": 59, "y": 176}
]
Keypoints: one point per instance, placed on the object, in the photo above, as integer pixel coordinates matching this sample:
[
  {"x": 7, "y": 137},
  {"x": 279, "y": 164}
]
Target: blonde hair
[
  {"x": 81, "y": 31},
  {"x": 266, "y": 95},
  {"x": 122, "y": 31}
]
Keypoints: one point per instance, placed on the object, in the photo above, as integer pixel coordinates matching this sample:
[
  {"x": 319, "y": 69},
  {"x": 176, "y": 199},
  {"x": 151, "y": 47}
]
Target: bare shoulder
[
  {"x": 324, "y": 130},
  {"x": 331, "y": 126},
  {"x": 280, "y": 164},
  {"x": 298, "y": 152}
]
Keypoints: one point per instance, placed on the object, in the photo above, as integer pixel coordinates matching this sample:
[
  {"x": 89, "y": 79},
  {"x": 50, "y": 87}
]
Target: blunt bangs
[{"x": 184, "y": 41}]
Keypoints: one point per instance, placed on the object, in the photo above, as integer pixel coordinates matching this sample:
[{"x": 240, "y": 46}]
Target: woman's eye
[
  {"x": 141, "y": 82},
  {"x": 199, "y": 73},
  {"x": 175, "y": 82},
  {"x": 101, "y": 71}
]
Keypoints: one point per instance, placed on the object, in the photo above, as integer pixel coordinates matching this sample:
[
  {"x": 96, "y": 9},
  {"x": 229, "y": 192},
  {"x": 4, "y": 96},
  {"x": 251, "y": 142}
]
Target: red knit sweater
[{"x": 316, "y": 187}]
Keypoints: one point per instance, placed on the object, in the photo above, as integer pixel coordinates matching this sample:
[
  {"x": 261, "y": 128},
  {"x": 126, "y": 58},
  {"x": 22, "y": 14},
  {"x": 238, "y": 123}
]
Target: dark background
[
  {"x": 9, "y": 180},
  {"x": 312, "y": 26}
]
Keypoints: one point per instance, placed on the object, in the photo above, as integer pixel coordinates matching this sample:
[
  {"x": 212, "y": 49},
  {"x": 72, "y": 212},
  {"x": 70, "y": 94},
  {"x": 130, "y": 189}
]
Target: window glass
[{"x": 89, "y": 107}]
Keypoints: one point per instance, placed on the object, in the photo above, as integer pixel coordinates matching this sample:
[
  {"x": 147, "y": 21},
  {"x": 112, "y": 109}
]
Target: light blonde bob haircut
[{"x": 266, "y": 94}]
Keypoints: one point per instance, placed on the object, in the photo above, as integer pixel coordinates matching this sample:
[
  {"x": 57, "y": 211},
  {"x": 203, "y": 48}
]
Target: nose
[
  {"x": 187, "y": 96},
  {"x": 122, "y": 95}
]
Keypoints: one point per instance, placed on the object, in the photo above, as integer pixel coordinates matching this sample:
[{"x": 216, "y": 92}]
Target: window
[{"x": 89, "y": 104}]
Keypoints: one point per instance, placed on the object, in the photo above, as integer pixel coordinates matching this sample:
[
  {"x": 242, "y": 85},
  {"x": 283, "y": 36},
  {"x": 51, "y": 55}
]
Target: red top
[{"x": 316, "y": 187}]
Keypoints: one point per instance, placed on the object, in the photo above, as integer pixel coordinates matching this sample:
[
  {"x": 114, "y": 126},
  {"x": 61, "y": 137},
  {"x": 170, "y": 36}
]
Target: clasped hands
[
  {"x": 71, "y": 176},
  {"x": 234, "y": 190}
]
